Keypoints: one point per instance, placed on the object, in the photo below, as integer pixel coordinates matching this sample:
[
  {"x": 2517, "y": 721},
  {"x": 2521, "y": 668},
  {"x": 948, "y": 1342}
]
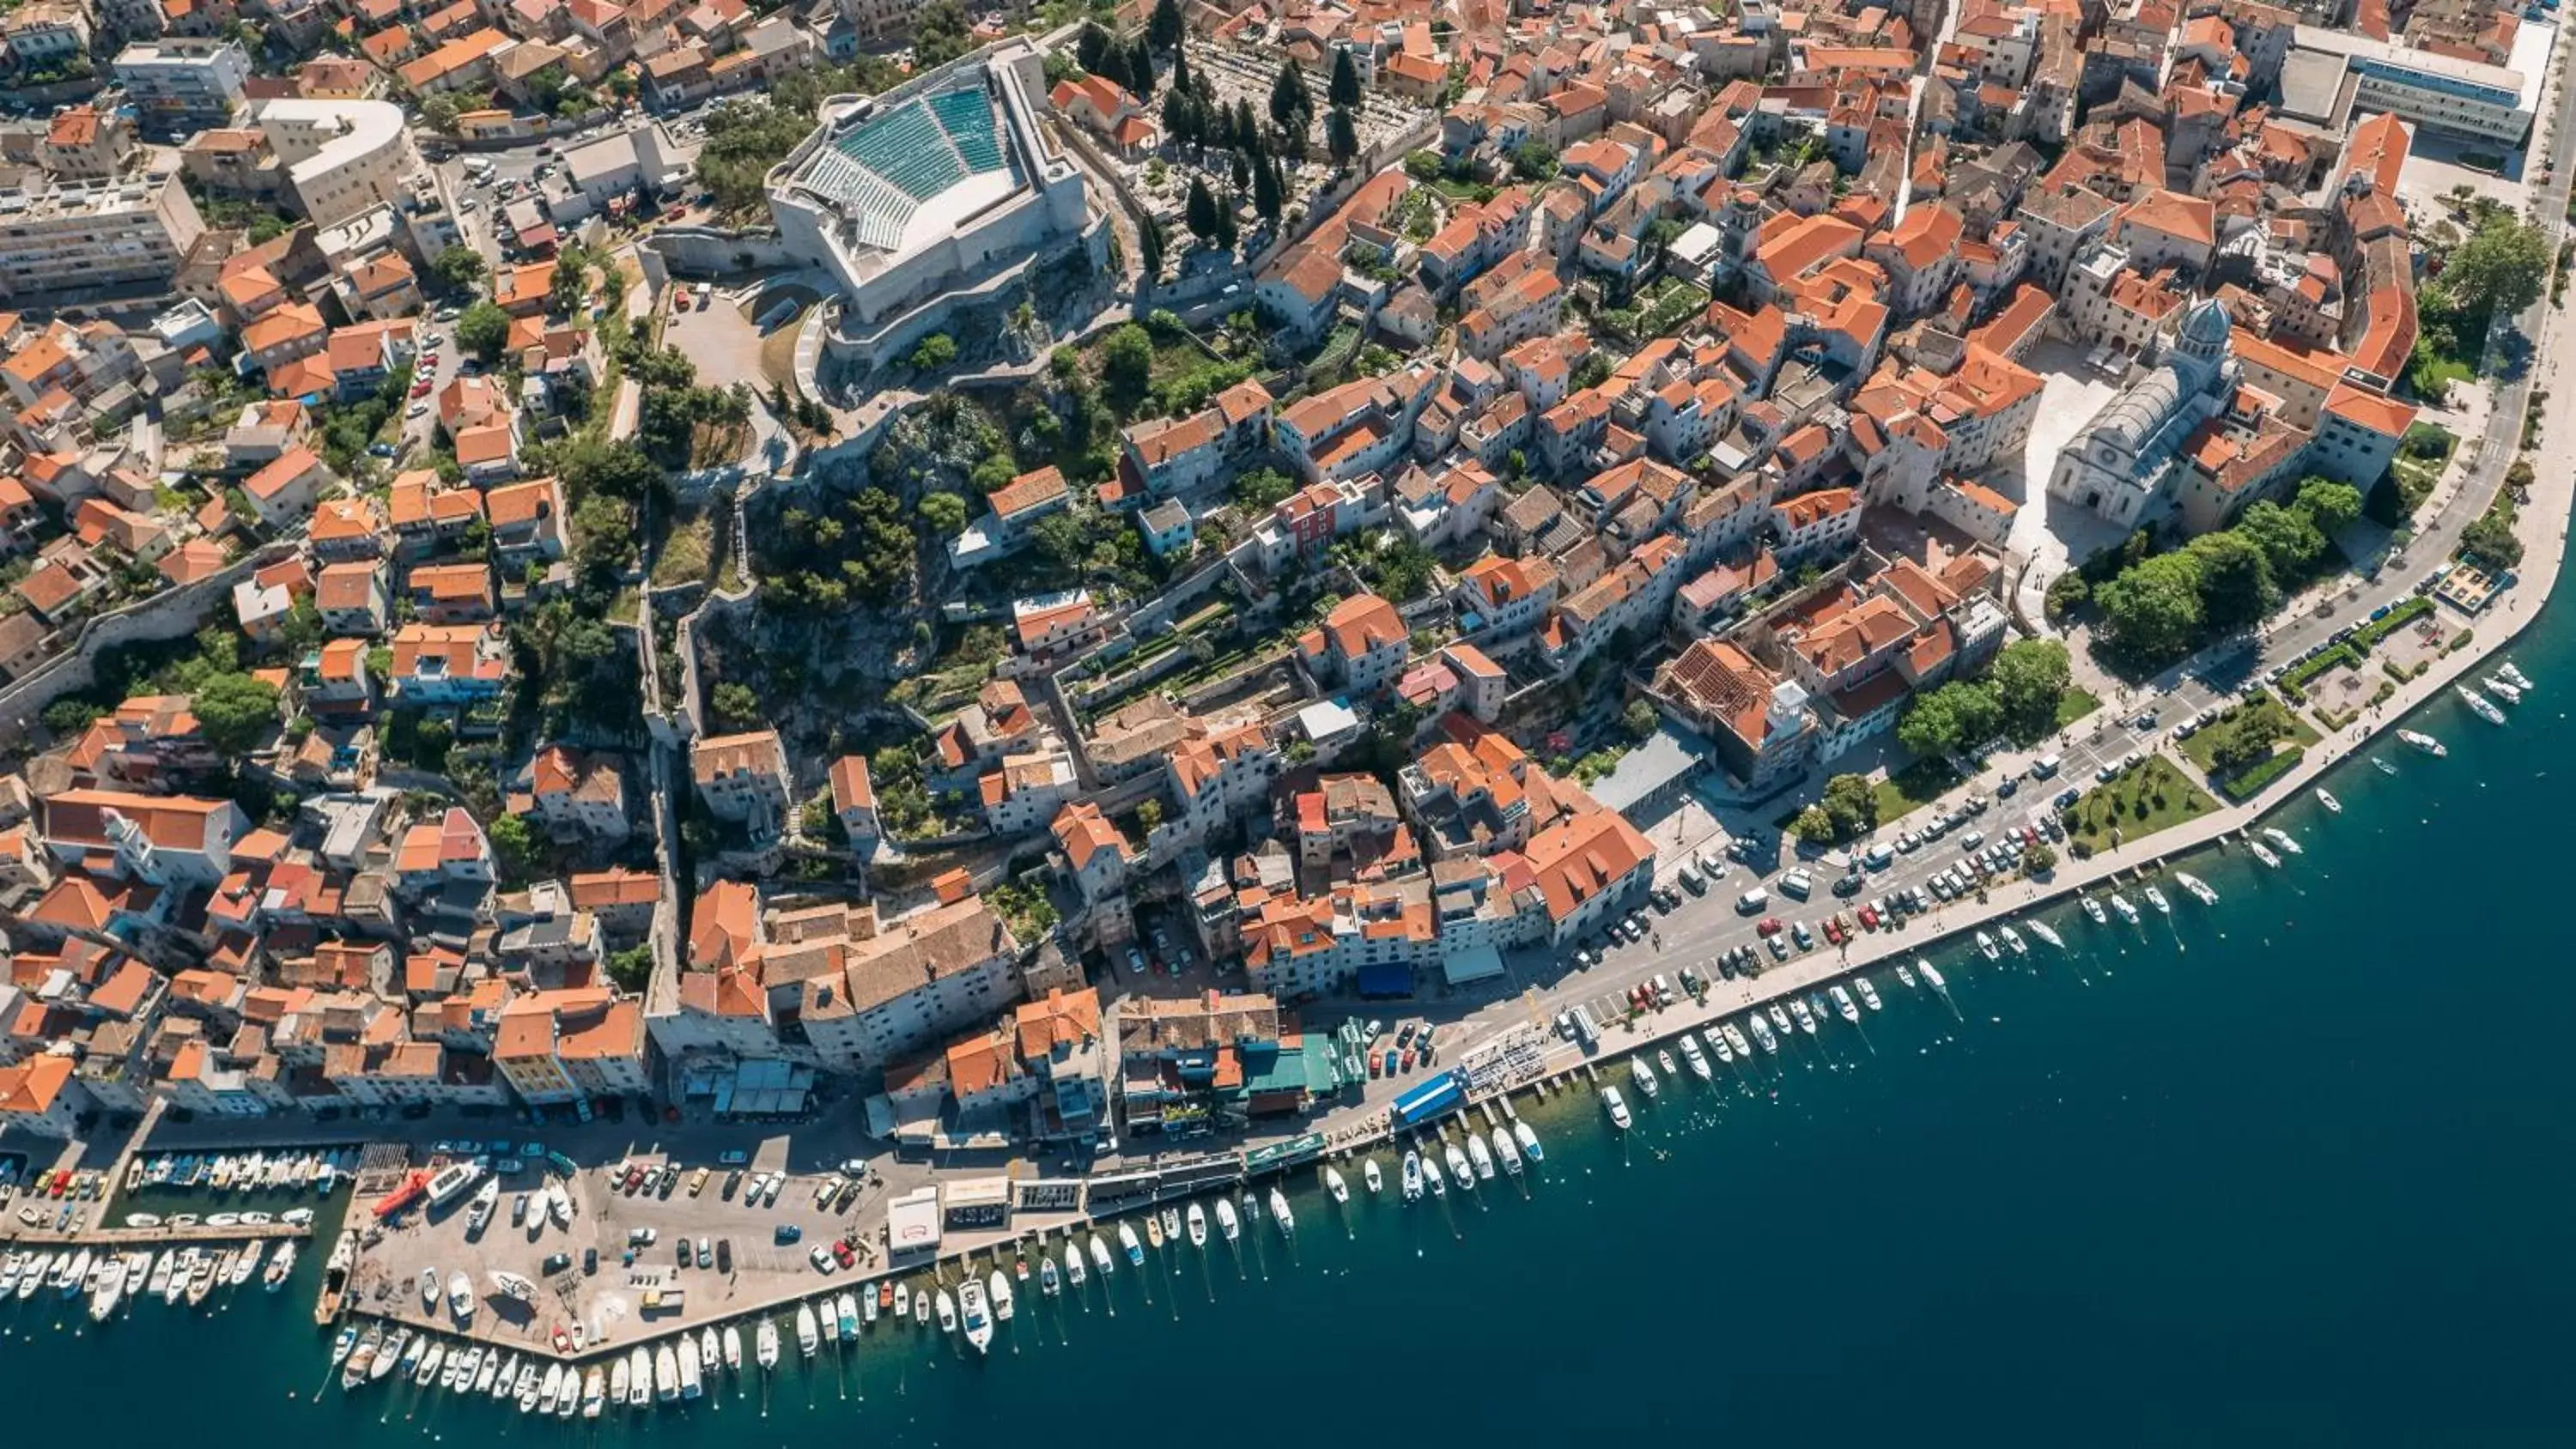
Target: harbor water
[{"x": 2293, "y": 1168}]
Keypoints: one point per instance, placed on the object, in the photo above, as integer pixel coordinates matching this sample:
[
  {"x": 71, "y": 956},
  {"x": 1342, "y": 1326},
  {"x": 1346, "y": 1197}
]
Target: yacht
[
  {"x": 2046, "y": 932},
  {"x": 2510, "y": 694},
  {"x": 2284, "y": 840},
  {"x": 2200, "y": 889},
  {"x": 2263, "y": 853},
  {"x": 1280, "y": 1214},
  {"x": 2479, "y": 705},
  {"x": 997, "y": 1291},
  {"x": 1843, "y": 1005},
  {"x": 2013, "y": 939},
  {"x": 1780, "y": 1020},
  {"x": 1931, "y": 975},
  {"x": 2326, "y": 798},
  {"x": 1697, "y": 1058},
  {"x": 1370, "y": 1177},
  {"x": 2093, "y": 908},
  {"x": 2425, "y": 742},
  {"x": 1735, "y": 1039},
  {"x": 1508, "y": 1150},
  {"x": 2156, "y": 898},
  {"x": 765, "y": 1344},
  {"x": 809, "y": 1334},
  {"x": 1986, "y": 947},
  {"x": 2515, "y": 677},
  {"x": 2120, "y": 903},
  {"x": 947, "y": 1305},
  {"x": 1806, "y": 1018},
  {"x": 1617, "y": 1107},
  {"x": 978, "y": 1321},
  {"x": 1197, "y": 1221},
  {"x": 1480, "y": 1157},
  {"x": 1762, "y": 1033},
  {"x": 1334, "y": 1184},
  {"x": 1868, "y": 993},
  {"x": 1644, "y": 1074},
  {"x": 1527, "y": 1137}
]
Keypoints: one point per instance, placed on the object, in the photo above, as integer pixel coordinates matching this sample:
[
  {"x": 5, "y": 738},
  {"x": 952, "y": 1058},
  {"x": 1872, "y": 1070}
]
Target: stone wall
[{"x": 165, "y": 615}]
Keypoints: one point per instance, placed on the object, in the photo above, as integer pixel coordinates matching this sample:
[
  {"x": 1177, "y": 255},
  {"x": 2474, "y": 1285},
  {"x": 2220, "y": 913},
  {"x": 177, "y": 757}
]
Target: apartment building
[
  {"x": 179, "y": 84},
  {"x": 60, "y": 243}
]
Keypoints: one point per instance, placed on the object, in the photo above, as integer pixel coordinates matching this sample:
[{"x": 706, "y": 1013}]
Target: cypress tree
[
  {"x": 1344, "y": 89},
  {"x": 1200, "y": 210},
  {"x": 1288, "y": 95}
]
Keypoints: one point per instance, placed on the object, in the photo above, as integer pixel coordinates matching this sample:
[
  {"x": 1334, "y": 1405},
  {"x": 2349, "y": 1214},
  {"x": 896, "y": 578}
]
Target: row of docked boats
[
  {"x": 1468, "y": 1159},
  {"x": 675, "y": 1370},
  {"x": 319, "y": 1171},
  {"x": 111, "y": 1281}
]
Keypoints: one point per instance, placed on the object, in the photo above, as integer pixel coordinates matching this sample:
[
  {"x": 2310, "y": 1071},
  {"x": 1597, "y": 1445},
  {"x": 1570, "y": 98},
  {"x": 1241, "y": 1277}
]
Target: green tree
[
  {"x": 1341, "y": 135},
  {"x": 944, "y": 514},
  {"x": 1163, "y": 28},
  {"x": 934, "y": 352},
  {"x": 1266, "y": 192},
  {"x": 1090, "y": 44},
  {"x": 2153, "y": 611},
  {"x": 1534, "y": 161},
  {"x": 1813, "y": 825},
  {"x": 1225, "y": 223},
  {"x": 2329, "y": 504},
  {"x": 939, "y": 33},
  {"x": 2067, "y": 593},
  {"x": 1140, "y": 69},
  {"x": 631, "y": 969},
  {"x": 2502, "y": 267},
  {"x": 514, "y": 845},
  {"x": 1262, "y": 489},
  {"x": 1288, "y": 98},
  {"x": 458, "y": 268},
  {"x": 2039, "y": 860},
  {"x": 484, "y": 330},
  {"x": 1638, "y": 719},
  {"x": 235, "y": 712},
  {"x": 1951, "y": 718},
  {"x": 1199, "y": 210},
  {"x": 1127, "y": 360},
  {"x": 2029, "y": 677},
  {"x": 1343, "y": 90},
  {"x": 2248, "y": 739},
  {"x": 1149, "y": 241},
  {"x": 2236, "y": 587},
  {"x": 2288, "y": 537},
  {"x": 734, "y": 705},
  {"x": 1852, "y": 804}
]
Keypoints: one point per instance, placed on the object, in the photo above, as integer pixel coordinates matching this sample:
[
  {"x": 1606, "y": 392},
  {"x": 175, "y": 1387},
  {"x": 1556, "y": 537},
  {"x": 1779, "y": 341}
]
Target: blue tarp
[
  {"x": 1386, "y": 978},
  {"x": 1441, "y": 1094}
]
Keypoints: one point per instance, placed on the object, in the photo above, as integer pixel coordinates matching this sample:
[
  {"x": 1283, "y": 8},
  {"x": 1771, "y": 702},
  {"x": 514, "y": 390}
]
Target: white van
[
  {"x": 1690, "y": 881},
  {"x": 2045, "y": 767},
  {"x": 1752, "y": 902}
]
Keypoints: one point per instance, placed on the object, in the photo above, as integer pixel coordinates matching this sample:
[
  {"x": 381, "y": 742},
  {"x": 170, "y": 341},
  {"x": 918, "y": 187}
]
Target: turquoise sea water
[{"x": 2295, "y": 1169}]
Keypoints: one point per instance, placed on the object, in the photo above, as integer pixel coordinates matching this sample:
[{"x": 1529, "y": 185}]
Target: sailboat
[
  {"x": 2046, "y": 932},
  {"x": 2201, "y": 890}
]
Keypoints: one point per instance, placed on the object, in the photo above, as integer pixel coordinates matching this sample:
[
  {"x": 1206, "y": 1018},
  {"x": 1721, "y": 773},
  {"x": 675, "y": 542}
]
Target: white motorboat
[
  {"x": 1717, "y": 1044},
  {"x": 460, "y": 1297},
  {"x": 594, "y": 1392},
  {"x": 2263, "y": 853},
  {"x": 2284, "y": 840},
  {"x": 977, "y": 1319},
  {"x": 921, "y": 1309},
  {"x": 2200, "y": 889},
  {"x": 997, "y": 1292},
  {"x": 2326, "y": 798},
  {"x": 2156, "y": 898},
  {"x": 1644, "y": 1074},
  {"x": 109, "y": 1288},
  {"x": 1734, "y": 1039},
  {"x": 1412, "y": 1175},
  {"x": 431, "y": 1361},
  {"x": 399, "y": 1354},
  {"x": 1432, "y": 1179},
  {"x": 1197, "y": 1221},
  {"x": 2382, "y": 766},
  {"x": 1370, "y": 1177},
  {"x": 490, "y": 1370},
  {"x": 526, "y": 1389},
  {"x": 1780, "y": 1019},
  {"x": 1280, "y": 1214},
  {"x": 1905, "y": 974},
  {"x": 2012, "y": 938},
  {"x": 429, "y": 1281},
  {"x": 2425, "y": 742},
  {"x": 1762, "y": 1033},
  {"x": 692, "y": 1373},
  {"x": 1868, "y": 993},
  {"x": 621, "y": 1378},
  {"x": 1931, "y": 975},
  {"x": 1617, "y": 1107},
  {"x": 1171, "y": 1233},
  {"x": 1226, "y": 1222},
  {"x": 1075, "y": 1274},
  {"x": 947, "y": 1305},
  {"x": 1806, "y": 1018},
  {"x": 1100, "y": 1256},
  {"x": 733, "y": 1346},
  {"x": 514, "y": 1286},
  {"x": 639, "y": 1378},
  {"x": 558, "y": 1205},
  {"x": 1843, "y": 1004},
  {"x": 2046, "y": 932},
  {"x": 809, "y": 1334},
  {"x": 1508, "y": 1150},
  {"x": 1527, "y": 1137},
  {"x": 1128, "y": 1244},
  {"x": 2515, "y": 677},
  {"x": 2093, "y": 908},
  {"x": 1697, "y": 1058},
  {"x": 2510, "y": 694},
  {"x": 2120, "y": 903},
  {"x": 1333, "y": 1184},
  {"x": 708, "y": 1351},
  {"x": 666, "y": 1372},
  {"x": 1986, "y": 947},
  {"x": 2479, "y": 705},
  {"x": 765, "y": 1344},
  {"x": 844, "y": 1315},
  {"x": 1480, "y": 1158},
  {"x": 903, "y": 1293},
  {"x": 461, "y": 1366},
  {"x": 279, "y": 1267}
]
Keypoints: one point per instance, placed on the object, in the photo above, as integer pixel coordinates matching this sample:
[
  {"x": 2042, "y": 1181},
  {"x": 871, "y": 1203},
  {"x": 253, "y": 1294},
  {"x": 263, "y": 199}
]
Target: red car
[
  {"x": 841, "y": 1250},
  {"x": 1833, "y": 930},
  {"x": 1869, "y": 918},
  {"x": 1770, "y": 926}
]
